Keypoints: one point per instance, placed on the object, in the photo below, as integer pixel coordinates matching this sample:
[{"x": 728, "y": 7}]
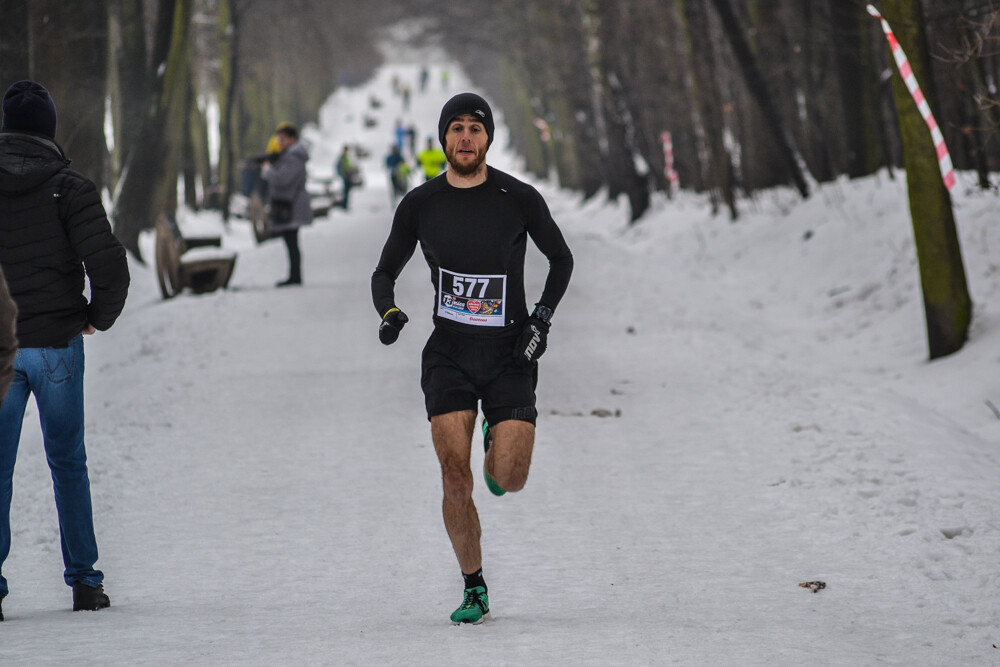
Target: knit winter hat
[
  {"x": 28, "y": 107},
  {"x": 466, "y": 103}
]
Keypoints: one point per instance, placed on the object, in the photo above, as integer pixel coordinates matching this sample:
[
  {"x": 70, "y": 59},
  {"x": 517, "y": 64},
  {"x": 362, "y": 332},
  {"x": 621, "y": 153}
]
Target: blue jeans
[{"x": 55, "y": 376}]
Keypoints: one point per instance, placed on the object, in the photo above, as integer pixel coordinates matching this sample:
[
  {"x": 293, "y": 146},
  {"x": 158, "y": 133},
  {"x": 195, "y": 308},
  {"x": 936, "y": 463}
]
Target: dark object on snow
[
  {"x": 202, "y": 273},
  {"x": 814, "y": 586}
]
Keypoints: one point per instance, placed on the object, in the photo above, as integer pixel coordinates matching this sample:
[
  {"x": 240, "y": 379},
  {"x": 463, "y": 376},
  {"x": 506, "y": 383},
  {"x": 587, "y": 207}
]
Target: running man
[{"x": 472, "y": 223}]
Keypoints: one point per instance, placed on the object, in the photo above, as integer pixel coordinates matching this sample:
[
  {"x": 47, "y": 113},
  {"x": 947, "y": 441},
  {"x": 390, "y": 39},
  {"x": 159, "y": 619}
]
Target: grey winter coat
[{"x": 286, "y": 179}]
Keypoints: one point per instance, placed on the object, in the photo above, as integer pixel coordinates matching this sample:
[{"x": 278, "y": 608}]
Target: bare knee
[
  {"x": 452, "y": 436},
  {"x": 510, "y": 476},
  {"x": 457, "y": 484},
  {"x": 511, "y": 454}
]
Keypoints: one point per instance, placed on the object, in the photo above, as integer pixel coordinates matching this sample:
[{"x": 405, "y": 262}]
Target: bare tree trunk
[
  {"x": 149, "y": 186},
  {"x": 228, "y": 50},
  {"x": 947, "y": 304},
  {"x": 619, "y": 125},
  {"x": 758, "y": 87},
  {"x": 70, "y": 47},
  {"x": 188, "y": 157},
  {"x": 15, "y": 43},
  {"x": 134, "y": 77},
  {"x": 857, "y": 78},
  {"x": 717, "y": 167}
]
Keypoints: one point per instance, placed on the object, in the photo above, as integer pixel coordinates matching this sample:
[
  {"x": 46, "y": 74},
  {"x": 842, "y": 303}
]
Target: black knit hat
[
  {"x": 466, "y": 103},
  {"x": 28, "y": 107}
]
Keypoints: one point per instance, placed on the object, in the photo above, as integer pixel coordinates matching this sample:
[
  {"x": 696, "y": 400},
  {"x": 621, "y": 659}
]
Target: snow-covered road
[{"x": 726, "y": 411}]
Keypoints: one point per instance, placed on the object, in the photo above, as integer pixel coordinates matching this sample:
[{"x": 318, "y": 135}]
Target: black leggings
[{"x": 291, "y": 238}]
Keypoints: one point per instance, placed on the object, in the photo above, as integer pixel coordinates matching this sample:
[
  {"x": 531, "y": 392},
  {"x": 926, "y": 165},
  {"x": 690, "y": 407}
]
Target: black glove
[
  {"x": 392, "y": 324},
  {"x": 533, "y": 339}
]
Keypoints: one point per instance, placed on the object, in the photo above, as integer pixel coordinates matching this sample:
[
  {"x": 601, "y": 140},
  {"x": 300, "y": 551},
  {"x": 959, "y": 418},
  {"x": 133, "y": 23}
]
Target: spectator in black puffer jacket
[{"x": 54, "y": 235}]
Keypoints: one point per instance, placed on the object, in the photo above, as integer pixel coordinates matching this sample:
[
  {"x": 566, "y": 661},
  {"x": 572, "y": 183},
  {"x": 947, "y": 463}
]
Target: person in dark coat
[
  {"x": 289, "y": 202},
  {"x": 54, "y": 238}
]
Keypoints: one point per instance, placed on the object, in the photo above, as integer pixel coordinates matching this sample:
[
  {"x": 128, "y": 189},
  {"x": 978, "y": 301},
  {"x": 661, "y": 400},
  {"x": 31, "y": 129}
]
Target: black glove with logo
[
  {"x": 534, "y": 338},
  {"x": 392, "y": 324}
]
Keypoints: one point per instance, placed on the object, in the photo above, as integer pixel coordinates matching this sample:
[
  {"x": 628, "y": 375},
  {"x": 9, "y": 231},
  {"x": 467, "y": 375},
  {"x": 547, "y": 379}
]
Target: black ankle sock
[{"x": 475, "y": 579}]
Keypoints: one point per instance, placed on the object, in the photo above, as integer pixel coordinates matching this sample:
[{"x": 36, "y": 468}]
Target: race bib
[{"x": 472, "y": 299}]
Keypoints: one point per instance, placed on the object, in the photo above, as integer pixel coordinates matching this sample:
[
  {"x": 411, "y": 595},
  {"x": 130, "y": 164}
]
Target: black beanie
[
  {"x": 28, "y": 107},
  {"x": 466, "y": 103}
]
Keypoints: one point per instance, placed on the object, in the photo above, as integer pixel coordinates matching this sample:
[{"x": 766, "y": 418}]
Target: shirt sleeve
[
  {"x": 396, "y": 253},
  {"x": 549, "y": 239}
]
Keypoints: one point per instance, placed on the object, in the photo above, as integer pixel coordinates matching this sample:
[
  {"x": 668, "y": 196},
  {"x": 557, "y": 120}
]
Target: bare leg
[
  {"x": 509, "y": 457},
  {"x": 452, "y": 435}
]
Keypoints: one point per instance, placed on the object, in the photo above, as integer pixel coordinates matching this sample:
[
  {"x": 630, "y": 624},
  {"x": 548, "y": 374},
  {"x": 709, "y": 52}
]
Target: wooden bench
[
  {"x": 323, "y": 195},
  {"x": 195, "y": 262}
]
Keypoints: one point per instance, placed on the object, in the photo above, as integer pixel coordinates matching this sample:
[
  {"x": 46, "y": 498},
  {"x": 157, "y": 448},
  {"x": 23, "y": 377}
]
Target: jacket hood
[{"x": 27, "y": 161}]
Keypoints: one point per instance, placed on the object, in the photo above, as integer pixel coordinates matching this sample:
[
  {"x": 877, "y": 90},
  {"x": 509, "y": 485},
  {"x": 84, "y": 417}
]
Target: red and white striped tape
[
  {"x": 944, "y": 158},
  {"x": 668, "y": 157},
  {"x": 543, "y": 129}
]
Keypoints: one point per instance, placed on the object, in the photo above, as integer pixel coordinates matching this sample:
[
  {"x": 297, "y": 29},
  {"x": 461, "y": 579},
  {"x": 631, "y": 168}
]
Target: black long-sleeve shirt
[{"x": 474, "y": 242}]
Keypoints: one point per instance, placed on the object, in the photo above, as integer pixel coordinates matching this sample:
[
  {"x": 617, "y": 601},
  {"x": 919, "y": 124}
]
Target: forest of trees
[
  {"x": 755, "y": 93},
  {"x": 154, "y": 67}
]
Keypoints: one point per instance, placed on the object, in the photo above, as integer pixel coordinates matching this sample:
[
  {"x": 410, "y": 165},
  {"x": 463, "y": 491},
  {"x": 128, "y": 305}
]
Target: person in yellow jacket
[{"x": 432, "y": 160}]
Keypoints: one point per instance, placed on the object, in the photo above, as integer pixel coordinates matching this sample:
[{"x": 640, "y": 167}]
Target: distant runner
[
  {"x": 472, "y": 223},
  {"x": 432, "y": 160}
]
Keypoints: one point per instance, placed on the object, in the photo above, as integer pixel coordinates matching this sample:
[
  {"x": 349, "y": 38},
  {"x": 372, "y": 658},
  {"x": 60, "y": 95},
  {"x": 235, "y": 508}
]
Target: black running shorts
[{"x": 459, "y": 370}]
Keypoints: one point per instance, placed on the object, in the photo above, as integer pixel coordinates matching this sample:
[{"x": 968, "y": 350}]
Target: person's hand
[
  {"x": 532, "y": 342},
  {"x": 392, "y": 324},
  {"x": 88, "y": 329}
]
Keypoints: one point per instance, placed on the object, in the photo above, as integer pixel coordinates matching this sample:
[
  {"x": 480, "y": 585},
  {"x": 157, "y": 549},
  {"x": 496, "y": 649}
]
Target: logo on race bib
[{"x": 474, "y": 306}]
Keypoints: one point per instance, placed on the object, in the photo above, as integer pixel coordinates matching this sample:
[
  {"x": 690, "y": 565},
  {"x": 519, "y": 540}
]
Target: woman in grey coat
[{"x": 289, "y": 206}]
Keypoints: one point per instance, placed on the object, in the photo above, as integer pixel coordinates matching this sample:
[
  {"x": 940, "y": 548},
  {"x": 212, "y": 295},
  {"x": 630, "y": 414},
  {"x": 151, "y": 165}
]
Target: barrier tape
[
  {"x": 668, "y": 157},
  {"x": 543, "y": 129},
  {"x": 944, "y": 158}
]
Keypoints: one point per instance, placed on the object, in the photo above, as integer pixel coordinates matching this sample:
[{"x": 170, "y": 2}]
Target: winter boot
[
  {"x": 487, "y": 441},
  {"x": 89, "y": 598},
  {"x": 475, "y": 607}
]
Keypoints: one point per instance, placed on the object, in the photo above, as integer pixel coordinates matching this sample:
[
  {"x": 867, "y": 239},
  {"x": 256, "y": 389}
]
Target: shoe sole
[
  {"x": 494, "y": 488},
  {"x": 484, "y": 617}
]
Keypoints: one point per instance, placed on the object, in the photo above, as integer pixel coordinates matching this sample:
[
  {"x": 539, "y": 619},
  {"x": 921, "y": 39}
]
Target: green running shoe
[
  {"x": 475, "y": 607},
  {"x": 487, "y": 441}
]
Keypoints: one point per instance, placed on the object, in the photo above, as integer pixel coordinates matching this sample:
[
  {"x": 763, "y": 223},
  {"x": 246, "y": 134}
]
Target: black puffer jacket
[
  {"x": 8, "y": 337},
  {"x": 53, "y": 229}
]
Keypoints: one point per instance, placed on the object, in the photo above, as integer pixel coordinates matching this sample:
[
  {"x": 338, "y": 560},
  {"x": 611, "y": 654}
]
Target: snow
[{"x": 727, "y": 410}]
